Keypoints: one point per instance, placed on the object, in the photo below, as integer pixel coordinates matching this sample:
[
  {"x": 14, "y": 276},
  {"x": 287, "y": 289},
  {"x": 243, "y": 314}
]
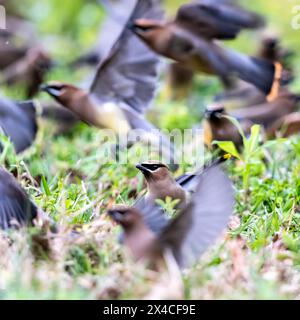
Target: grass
[{"x": 258, "y": 258}]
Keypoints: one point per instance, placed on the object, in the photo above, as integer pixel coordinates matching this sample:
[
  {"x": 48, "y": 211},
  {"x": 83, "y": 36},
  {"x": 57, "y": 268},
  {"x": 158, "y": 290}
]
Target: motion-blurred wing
[
  {"x": 16, "y": 209},
  {"x": 220, "y": 20},
  {"x": 129, "y": 74},
  {"x": 203, "y": 220},
  {"x": 18, "y": 122},
  {"x": 118, "y": 15}
]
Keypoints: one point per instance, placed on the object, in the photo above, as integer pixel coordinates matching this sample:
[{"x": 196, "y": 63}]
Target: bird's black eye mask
[
  {"x": 152, "y": 166},
  {"x": 214, "y": 114},
  {"x": 53, "y": 90}
]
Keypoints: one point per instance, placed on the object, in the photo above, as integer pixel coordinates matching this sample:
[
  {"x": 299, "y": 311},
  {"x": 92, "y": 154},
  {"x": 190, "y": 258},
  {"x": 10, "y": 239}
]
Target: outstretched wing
[
  {"x": 118, "y": 15},
  {"x": 16, "y": 209},
  {"x": 202, "y": 221},
  {"x": 129, "y": 73},
  {"x": 219, "y": 20}
]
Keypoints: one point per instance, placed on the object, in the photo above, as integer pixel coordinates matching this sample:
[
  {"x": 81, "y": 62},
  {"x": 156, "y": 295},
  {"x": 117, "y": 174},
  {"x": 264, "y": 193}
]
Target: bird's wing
[
  {"x": 153, "y": 214},
  {"x": 129, "y": 73},
  {"x": 221, "y": 20},
  {"x": 15, "y": 207},
  {"x": 202, "y": 221},
  {"x": 118, "y": 15},
  {"x": 18, "y": 122}
]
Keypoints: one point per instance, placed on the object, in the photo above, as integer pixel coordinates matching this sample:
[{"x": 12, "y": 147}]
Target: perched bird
[
  {"x": 28, "y": 72},
  {"x": 217, "y": 127},
  {"x": 16, "y": 209},
  {"x": 160, "y": 183},
  {"x": 123, "y": 87},
  {"x": 18, "y": 122},
  {"x": 267, "y": 113},
  {"x": 190, "y": 40},
  {"x": 186, "y": 236}
]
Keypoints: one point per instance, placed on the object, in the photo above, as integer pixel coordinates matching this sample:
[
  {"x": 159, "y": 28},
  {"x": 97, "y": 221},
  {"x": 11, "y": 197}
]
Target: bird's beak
[
  {"x": 143, "y": 169},
  {"x": 53, "y": 91}
]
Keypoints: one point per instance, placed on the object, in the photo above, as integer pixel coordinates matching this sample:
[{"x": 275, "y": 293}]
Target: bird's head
[
  {"x": 146, "y": 29},
  {"x": 154, "y": 170},
  {"x": 61, "y": 92},
  {"x": 270, "y": 42},
  {"x": 125, "y": 216}
]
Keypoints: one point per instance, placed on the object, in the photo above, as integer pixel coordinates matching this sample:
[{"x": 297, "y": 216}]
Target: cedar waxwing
[
  {"x": 217, "y": 127},
  {"x": 186, "y": 236},
  {"x": 285, "y": 127},
  {"x": 123, "y": 87},
  {"x": 29, "y": 71},
  {"x": 18, "y": 122},
  {"x": 160, "y": 183},
  {"x": 267, "y": 113},
  {"x": 16, "y": 209},
  {"x": 189, "y": 40}
]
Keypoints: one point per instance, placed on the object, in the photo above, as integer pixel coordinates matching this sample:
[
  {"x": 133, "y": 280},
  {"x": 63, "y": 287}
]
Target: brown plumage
[
  {"x": 160, "y": 183},
  {"x": 189, "y": 39},
  {"x": 28, "y": 72},
  {"x": 189, "y": 234}
]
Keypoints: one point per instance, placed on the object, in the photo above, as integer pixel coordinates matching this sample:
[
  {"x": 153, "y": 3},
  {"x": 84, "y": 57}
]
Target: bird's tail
[{"x": 265, "y": 75}]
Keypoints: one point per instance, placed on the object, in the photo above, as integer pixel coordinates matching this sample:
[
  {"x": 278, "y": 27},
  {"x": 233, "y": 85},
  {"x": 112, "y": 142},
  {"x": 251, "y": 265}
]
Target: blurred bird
[
  {"x": 285, "y": 127},
  {"x": 186, "y": 236},
  {"x": 179, "y": 81},
  {"x": 18, "y": 122},
  {"x": 123, "y": 87},
  {"x": 28, "y": 72},
  {"x": 189, "y": 39},
  {"x": 271, "y": 49},
  {"x": 267, "y": 113},
  {"x": 218, "y": 127},
  {"x": 16, "y": 209},
  {"x": 244, "y": 94}
]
